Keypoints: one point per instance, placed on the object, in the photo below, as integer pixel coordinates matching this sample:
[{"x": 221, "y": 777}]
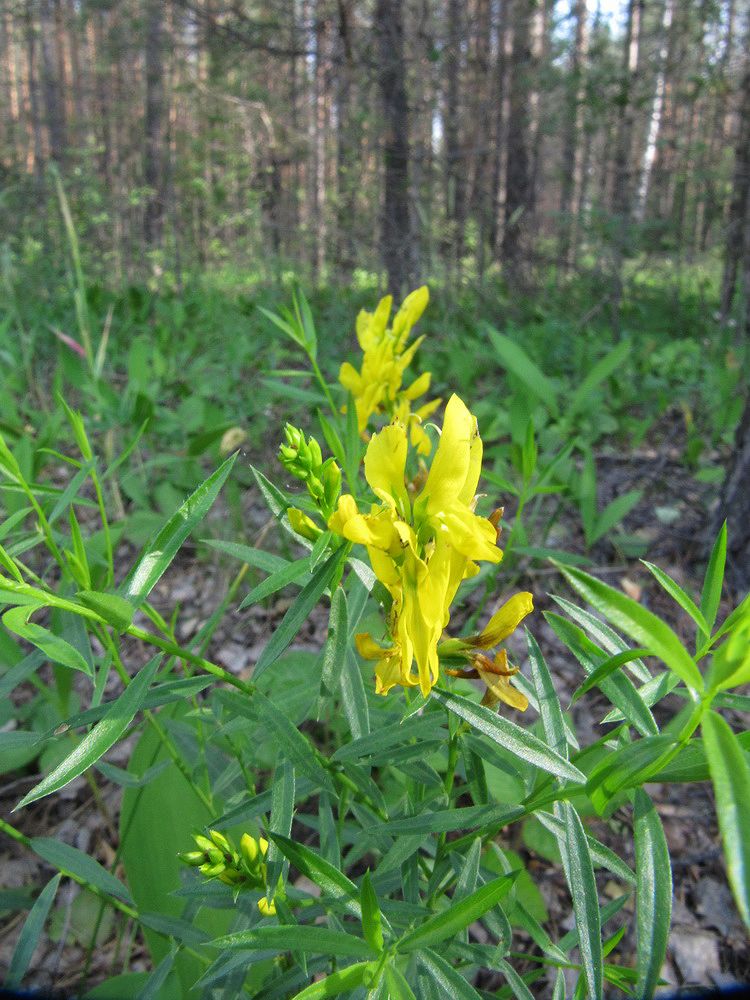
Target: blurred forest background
[
  {"x": 435, "y": 138},
  {"x": 573, "y": 173}
]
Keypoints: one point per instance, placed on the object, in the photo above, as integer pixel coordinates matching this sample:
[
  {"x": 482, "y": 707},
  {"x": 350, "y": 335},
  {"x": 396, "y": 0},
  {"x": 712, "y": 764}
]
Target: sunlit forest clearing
[{"x": 374, "y": 498}]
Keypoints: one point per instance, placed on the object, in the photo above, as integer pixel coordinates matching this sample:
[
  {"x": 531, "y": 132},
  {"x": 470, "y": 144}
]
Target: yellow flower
[
  {"x": 495, "y": 673},
  {"x": 377, "y": 387},
  {"x": 421, "y": 551}
]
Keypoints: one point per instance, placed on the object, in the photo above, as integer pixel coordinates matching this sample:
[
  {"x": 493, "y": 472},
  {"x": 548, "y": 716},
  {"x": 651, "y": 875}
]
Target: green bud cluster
[
  {"x": 243, "y": 868},
  {"x": 303, "y": 459}
]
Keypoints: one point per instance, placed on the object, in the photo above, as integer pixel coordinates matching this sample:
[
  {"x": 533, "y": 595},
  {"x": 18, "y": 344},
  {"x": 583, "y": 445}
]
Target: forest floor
[{"x": 708, "y": 946}]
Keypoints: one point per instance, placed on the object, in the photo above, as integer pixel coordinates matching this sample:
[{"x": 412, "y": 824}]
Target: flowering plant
[{"x": 312, "y": 830}]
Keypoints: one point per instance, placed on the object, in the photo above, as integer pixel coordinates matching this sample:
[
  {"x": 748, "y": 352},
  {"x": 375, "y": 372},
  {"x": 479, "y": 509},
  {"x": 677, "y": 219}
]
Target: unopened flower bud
[{"x": 249, "y": 849}]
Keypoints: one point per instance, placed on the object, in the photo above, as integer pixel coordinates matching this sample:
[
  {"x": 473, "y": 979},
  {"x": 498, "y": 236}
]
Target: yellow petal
[
  {"x": 385, "y": 465},
  {"x": 411, "y": 310},
  {"x": 387, "y": 673},
  {"x": 345, "y": 511},
  {"x": 450, "y": 465},
  {"x": 419, "y": 385},
  {"x": 367, "y": 648},
  {"x": 505, "y": 620},
  {"x": 350, "y": 378},
  {"x": 267, "y": 909},
  {"x": 501, "y": 689}
]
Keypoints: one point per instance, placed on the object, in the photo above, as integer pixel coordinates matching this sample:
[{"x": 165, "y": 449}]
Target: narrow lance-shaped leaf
[
  {"x": 338, "y": 982},
  {"x": 335, "y": 648},
  {"x": 638, "y": 623},
  {"x": 30, "y": 934},
  {"x": 549, "y": 703},
  {"x": 449, "y": 981},
  {"x": 282, "y": 812},
  {"x": 459, "y": 915},
  {"x": 78, "y": 865},
  {"x": 53, "y": 646},
  {"x": 579, "y": 872},
  {"x": 103, "y": 736},
  {"x": 513, "y": 738},
  {"x": 163, "y": 547},
  {"x": 300, "y": 937},
  {"x": 290, "y": 742},
  {"x": 653, "y": 899},
  {"x": 372, "y": 921},
  {"x": 730, "y": 774},
  {"x": 714, "y": 578},
  {"x": 298, "y": 613}
]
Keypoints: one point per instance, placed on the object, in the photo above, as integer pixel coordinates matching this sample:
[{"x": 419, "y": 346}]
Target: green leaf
[
  {"x": 458, "y": 915},
  {"x": 256, "y": 558},
  {"x": 333, "y": 882},
  {"x": 163, "y": 547},
  {"x": 517, "y": 985},
  {"x": 103, "y": 736},
  {"x": 637, "y": 622},
  {"x": 286, "y": 328},
  {"x": 282, "y": 812},
  {"x": 547, "y": 700},
  {"x": 289, "y": 741},
  {"x": 398, "y": 988},
  {"x": 513, "y": 357},
  {"x": 53, "y": 646},
  {"x": 653, "y": 899},
  {"x": 30, "y": 934},
  {"x": 70, "y": 861},
  {"x": 447, "y": 820},
  {"x": 289, "y": 573},
  {"x": 601, "y": 855},
  {"x": 677, "y": 594},
  {"x": 605, "y": 670},
  {"x": 713, "y": 580},
  {"x": 513, "y": 738},
  {"x": 614, "y": 512},
  {"x": 633, "y": 764},
  {"x": 604, "y": 637},
  {"x": 445, "y": 977},
  {"x": 730, "y": 774},
  {"x": 602, "y": 370},
  {"x": 579, "y": 872},
  {"x": 335, "y": 648},
  {"x": 298, "y": 613},
  {"x": 354, "y": 697},
  {"x": 397, "y": 734},
  {"x": 338, "y": 982},
  {"x": 276, "y": 501},
  {"x": 115, "y": 610},
  {"x": 372, "y": 921},
  {"x": 300, "y": 937}
]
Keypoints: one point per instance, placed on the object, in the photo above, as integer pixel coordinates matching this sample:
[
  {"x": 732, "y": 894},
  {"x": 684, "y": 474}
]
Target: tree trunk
[
  {"x": 455, "y": 165},
  {"x": 621, "y": 183},
  {"x": 738, "y": 209},
  {"x": 520, "y": 193},
  {"x": 36, "y": 152},
  {"x": 153, "y": 171},
  {"x": 347, "y": 142},
  {"x": 52, "y": 84},
  {"x": 398, "y": 244},
  {"x": 573, "y": 141},
  {"x": 655, "y": 118}
]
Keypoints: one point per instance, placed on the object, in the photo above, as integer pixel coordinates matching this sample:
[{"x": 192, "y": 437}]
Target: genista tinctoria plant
[{"x": 338, "y": 823}]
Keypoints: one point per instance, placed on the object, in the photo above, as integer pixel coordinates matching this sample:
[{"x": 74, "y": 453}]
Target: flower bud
[{"x": 249, "y": 849}]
